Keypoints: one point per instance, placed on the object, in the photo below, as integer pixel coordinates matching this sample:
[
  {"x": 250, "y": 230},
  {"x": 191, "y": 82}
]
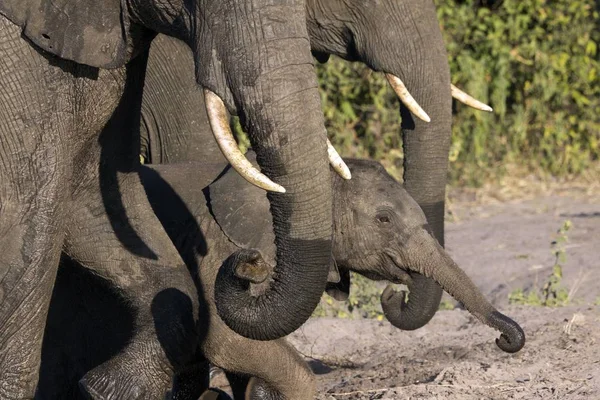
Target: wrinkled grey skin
[
  {"x": 173, "y": 125},
  {"x": 379, "y": 231},
  {"x": 72, "y": 74},
  {"x": 401, "y": 37}
]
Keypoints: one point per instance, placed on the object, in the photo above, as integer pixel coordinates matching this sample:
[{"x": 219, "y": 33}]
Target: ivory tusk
[
  {"x": 468, "y": 100},
  {"x": 406, "y": 98},
  {"x": 217, "y": 117},
  {"x": 337, "y": 163}
]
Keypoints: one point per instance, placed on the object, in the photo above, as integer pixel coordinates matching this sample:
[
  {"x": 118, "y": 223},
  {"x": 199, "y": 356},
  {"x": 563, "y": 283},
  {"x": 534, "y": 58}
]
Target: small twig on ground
[
  {"x": 581, "y": 277},
  {"x": 577, "y": 388},
  {"x": 334, "y": 362},
  {"x": 470, "y": 386},
  {"x": 577, "y": 317},
  {"x": 441, "y": 375},
  {"x": 361, "y": 392}
]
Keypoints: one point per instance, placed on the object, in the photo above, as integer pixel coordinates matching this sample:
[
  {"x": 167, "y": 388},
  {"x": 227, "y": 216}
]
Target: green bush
[
  {"x": 363, "y": 301},
  {"x": 361, "y": 113},
  {"x": 536, "y": 62}
]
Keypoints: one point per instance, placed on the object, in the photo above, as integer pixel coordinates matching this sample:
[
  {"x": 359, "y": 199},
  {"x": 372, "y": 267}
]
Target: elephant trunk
[
  {"x": 403, "y": 40},
  {"x": 427, "y": 257},
  {"x": 281, "y": 111},
  {"x": 426, "y": 144}
]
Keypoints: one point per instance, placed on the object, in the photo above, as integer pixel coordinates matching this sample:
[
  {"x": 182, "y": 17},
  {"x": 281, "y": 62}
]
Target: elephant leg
[
  {"x": 260, "y": 390},
  {"x": 283, "y": 372},
  {"x": 30, "y": 239},
  {"x": 238, "y": 384},
  {"x": 214, "y": 394},
  {"x": 33, "y": 175},
  {"x": 251, "y": 388},
  {"x": 192, "y": 382},
  {"x": 115, "y": 234}
]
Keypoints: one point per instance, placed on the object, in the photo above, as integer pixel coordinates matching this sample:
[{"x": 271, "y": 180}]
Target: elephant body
[
  {"x": 67, "y": 184},
  {"x": 379, "y": 232},
  {"x": 89, "y": 322},
  {"x": 72, "y": 74}
]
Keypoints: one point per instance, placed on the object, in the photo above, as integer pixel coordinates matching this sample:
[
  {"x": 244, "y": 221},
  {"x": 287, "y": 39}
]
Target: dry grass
[{"x": 521, "y": 184}]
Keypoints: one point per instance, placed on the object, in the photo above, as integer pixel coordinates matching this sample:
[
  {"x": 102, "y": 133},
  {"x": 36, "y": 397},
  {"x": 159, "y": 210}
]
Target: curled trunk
[
  {"x": 280, "y": 109},
  {"x": 430, "y": 259},
  {"x": 426, "y": 147}
]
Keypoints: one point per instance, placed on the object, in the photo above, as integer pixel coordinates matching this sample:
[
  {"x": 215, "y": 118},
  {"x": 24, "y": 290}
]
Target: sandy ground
[
  {"x": 454, "y": 357},
  {"x": 502, "y": 246}
]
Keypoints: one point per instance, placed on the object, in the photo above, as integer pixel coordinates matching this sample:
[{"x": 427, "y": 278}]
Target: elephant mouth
[{"x": 395, "y": 271}]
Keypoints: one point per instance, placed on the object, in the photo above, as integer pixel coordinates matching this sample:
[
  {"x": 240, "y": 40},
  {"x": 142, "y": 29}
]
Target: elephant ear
[
  {"x": 340, "y": 291},
  {"x": 243, "y": 211},
  {"x": 92, "y": 32}
]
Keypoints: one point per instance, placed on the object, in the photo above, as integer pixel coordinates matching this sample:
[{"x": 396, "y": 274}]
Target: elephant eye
[
  {"x": 384, "y": 215},
  {"x": 384, "y": 219}
]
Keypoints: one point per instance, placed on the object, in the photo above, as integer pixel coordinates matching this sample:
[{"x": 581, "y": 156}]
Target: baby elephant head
[{"x": 382, "y": 233}]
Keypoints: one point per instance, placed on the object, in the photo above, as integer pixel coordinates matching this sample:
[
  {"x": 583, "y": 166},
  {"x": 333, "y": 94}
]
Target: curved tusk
[
  {"x": 217, "y": 116},
  {"x": 406, "y": 98},
  {"x": 337, "y": 163},
  {"x": 468, "y": 100}
]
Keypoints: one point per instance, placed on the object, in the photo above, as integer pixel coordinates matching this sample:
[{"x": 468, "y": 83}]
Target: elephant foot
[
  {"x": 116, "y": 380},
  {"x": 190, "y": 383},
  {"x": 259, "y": 390},
  {"x": 214, "y": 394}
]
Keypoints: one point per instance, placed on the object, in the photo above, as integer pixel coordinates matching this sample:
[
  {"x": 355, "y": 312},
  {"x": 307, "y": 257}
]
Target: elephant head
[
  {"x": 382, "y": 233},
  {"x": 253, "y": 58},
  {"x": 402, "y": 39}
]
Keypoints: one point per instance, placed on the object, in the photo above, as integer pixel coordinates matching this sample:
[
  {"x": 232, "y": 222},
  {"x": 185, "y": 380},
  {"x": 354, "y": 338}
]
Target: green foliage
[
  {"x": 242, "y": 139},
  {"x": 361, "y": 113},
  {"x": 552, "y": 293},
  {"x": 363, "y": 301},
  {"x": 536, "y": 62},
  {"x": 446, "y": 305}
]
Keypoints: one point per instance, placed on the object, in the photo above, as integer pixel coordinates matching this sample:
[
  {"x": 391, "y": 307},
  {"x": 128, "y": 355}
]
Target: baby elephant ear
[
  {"x": 340, "y": 291},
  {"x": 242, "y": 211},
  {"x": 334, "y": 273},
  {"x": 91, "y": 32}
]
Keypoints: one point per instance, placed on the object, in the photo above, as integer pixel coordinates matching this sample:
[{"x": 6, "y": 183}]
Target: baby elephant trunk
[{"x": 425, "y": 256}]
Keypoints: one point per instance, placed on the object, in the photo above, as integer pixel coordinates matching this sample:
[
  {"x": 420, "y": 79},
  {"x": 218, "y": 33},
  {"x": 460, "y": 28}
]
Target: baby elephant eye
[{"x": 384, "y": 219}]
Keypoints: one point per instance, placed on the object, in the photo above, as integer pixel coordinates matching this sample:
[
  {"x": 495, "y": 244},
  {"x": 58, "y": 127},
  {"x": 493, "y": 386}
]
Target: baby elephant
[{"x": 379, "y": 231}]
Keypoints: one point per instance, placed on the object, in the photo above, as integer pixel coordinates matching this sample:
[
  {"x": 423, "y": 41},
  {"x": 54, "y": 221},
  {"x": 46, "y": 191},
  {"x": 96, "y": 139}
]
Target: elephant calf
[{"x": 379, "y": 231}]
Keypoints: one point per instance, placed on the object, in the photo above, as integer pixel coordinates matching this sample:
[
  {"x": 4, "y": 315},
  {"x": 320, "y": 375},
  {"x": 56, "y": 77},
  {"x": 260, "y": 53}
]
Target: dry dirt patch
[{"x": 454, "y": 357}]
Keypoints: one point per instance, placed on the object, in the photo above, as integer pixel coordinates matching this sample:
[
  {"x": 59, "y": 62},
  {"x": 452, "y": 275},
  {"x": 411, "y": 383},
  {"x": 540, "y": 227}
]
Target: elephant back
[{"x": 97, "y": 33}]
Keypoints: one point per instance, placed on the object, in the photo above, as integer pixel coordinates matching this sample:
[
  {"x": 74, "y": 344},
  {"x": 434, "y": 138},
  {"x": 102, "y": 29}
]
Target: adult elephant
[
  {"x": 403, "y": 40},
  {"x": 398, "y": 37},
  {"x": 72, "y": 75}
]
